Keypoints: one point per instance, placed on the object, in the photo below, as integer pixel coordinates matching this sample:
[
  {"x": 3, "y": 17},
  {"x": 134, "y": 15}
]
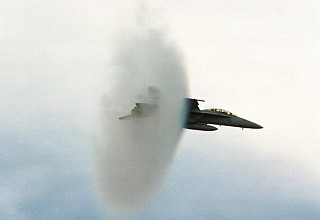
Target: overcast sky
[{"x": 257, "y": 59}]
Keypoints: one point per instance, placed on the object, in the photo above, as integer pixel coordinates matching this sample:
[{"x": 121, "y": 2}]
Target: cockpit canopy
[{"x": 221, "y": 111}]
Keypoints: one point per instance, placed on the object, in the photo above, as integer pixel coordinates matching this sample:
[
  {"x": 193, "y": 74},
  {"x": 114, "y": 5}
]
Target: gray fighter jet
[
  {"x": 202, "y": 119},
  {"x": 196, "y": 119}
]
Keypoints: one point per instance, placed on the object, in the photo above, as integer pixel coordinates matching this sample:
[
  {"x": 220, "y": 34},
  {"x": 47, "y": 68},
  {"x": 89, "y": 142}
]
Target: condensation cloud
[{"x": 133, "y": 155}]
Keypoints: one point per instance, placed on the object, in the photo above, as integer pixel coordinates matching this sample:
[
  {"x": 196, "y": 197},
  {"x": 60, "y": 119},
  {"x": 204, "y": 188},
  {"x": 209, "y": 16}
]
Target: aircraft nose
[
  {"x": 253, "y": 125},
  {"x": 249, "y": 124},
  {"x": 258, "y": 126}
]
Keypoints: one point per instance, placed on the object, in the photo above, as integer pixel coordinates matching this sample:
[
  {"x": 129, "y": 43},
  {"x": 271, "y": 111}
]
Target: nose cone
[
  {"x": 250, "y": 124},
  {"x": 256, "y": 126}
]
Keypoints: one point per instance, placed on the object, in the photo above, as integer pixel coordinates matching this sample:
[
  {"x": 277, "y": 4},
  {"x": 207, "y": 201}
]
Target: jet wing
[
  {"x": 141, "y": 109},
  {"x": 125, "y": 117},
  {"x": 145, "y": 106}
]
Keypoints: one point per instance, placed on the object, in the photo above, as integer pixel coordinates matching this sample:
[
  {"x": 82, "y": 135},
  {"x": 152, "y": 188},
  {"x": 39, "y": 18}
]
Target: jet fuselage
[
  {"x": 227, "y": 120},
  {"x": 202, "y": 119}
]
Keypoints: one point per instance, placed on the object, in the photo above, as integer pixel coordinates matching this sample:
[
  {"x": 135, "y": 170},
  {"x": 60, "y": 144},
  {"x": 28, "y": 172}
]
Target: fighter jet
[
  {"x": 196, "y": 119},
  {"x": 202, "y": 119}
]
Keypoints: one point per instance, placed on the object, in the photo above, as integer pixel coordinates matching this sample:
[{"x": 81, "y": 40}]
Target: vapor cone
[{"x": 133, "y": 154}]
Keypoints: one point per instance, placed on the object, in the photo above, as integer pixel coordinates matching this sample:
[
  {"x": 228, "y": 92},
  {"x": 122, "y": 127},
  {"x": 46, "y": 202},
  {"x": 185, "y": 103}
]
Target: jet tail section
[{"x": 193, "y": 104}]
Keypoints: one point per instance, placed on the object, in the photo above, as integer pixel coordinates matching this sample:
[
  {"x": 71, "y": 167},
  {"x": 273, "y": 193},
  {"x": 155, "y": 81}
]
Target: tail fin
[{"x": 193, "y": 104}]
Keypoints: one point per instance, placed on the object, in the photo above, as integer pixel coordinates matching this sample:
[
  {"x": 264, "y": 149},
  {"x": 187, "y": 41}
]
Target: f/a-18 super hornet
[
  {"x": 202, "y": 119},
  {"x": 196, "y": 119}
]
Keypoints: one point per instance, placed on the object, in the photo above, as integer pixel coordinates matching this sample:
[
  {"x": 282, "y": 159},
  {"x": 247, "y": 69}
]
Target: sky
[{"x": 257, "y": 59}]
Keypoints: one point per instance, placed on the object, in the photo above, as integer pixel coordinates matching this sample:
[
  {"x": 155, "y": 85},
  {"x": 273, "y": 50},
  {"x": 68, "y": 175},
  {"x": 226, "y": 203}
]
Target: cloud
[
  {"x": 48, "y": 98},
  {"x": 134, "y": 154},
  {"x": 218, "y": 180}
]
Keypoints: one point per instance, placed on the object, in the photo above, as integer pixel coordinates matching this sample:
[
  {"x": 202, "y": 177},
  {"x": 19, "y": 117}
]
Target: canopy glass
[{"x": 221, "y": 110}]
